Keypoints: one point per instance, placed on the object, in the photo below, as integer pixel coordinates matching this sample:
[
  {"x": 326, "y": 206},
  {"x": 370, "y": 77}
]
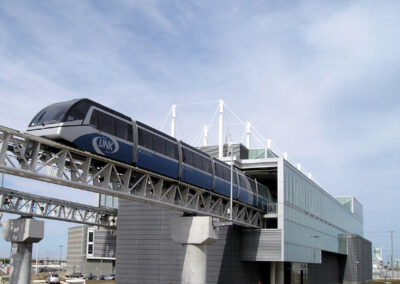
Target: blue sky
[{"x": 320, "y": 78}]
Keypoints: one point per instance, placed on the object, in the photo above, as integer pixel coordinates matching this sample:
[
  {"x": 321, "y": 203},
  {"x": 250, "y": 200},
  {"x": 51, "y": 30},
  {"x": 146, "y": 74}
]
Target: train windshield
[{"x": 51, "y": 114}]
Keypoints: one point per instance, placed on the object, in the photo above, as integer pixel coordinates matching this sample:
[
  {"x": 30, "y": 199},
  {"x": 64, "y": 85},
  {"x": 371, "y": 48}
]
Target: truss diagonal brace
[
  {"x": 42, "y": 159},
  {"x": 22, "y": 203}
]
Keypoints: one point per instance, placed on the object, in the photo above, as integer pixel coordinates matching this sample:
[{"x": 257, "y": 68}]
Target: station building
[{"x": 309, "y": 236}]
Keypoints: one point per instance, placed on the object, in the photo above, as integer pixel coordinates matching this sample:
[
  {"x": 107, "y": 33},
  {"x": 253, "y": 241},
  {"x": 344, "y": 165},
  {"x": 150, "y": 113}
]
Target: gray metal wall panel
[
  {"x": 329, "y": 271},
  {"x": 261, "y": 245},
  {"x": 359, "y": 259},
  {"x": 146, "y": 254}
]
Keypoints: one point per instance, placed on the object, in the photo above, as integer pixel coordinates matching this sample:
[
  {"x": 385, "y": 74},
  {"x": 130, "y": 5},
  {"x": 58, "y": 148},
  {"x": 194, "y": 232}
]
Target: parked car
[
  {"x": 110, "y": 276},
  {"x": 90, "y": 277},
  {"x": 75, "y": 275},
  {"x": 53, "y": 278}
]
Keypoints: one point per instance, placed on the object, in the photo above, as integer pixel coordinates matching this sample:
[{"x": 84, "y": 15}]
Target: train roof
[{"x": 100, "y": 106}]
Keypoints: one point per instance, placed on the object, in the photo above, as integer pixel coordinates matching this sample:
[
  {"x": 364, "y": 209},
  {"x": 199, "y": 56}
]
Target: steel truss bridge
[
  {"x": 45, "y": 160},
  {"x": 32, "y": 205}
]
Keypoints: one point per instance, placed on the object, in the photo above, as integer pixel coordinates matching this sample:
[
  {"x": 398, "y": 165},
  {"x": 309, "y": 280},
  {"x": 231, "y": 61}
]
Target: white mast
[
  {"x": 221, "y": 114},
  {"x": 205, "y": 141},
  {"x": 173, "y": 120},
  {"x": 248, "y": 134}
]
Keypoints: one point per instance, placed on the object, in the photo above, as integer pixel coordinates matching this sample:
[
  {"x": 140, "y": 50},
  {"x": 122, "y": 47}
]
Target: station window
[
  {"x": 90, "y": 238},
  {"x": 90, "y": 249}
]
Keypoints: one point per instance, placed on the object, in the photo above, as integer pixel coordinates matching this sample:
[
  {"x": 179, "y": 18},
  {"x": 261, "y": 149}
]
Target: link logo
[{"x": 105, "y": 145}]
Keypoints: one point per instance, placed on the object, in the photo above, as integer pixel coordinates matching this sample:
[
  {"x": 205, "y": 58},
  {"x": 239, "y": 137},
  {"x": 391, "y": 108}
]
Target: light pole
[
  {"x": 60, "y": 256},
  {"x": 231, "y": 189}
]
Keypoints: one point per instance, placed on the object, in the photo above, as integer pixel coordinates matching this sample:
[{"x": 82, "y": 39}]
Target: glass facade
[
  {"x": 313, "y": 219},
  {"x": 108, "y": 201}
]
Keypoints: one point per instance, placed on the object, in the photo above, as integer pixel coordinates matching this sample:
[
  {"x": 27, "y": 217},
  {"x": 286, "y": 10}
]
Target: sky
[{"x": 319, "y": 78}]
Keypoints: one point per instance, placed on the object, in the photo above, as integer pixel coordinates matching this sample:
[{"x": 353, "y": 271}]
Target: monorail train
[{"x": 98, "y": 129}]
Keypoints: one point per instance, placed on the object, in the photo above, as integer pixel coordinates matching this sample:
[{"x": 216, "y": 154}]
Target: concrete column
[
  {"x": 272, "y": 273},
  {"x": 194, "y": 233},
  {"x": 22, "y": 233},
  {"x": 194, "y": 264},
  {"x": 280, "y": 273}
]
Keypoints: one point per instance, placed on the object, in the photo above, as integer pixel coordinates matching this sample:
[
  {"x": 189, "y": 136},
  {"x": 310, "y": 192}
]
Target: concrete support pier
[
  {"x": 276, "y": 273},
  {"x": 22, "y": 233},
  {"x": 194, "y": 233}
]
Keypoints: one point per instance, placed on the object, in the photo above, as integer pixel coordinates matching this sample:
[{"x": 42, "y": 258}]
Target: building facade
[
  {"x": 91, "y": 250},
  {"x": 308, "y": 236}
]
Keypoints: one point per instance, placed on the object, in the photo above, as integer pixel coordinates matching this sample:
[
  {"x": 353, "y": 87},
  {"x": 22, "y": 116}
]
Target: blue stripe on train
[
  {"x": 262, "y": 203},
  {"x": 224, "y": 188},
  {"x": 246, "y": 196},
  {"x": 195, "y": 177},
  {"x": 106, "y": 146},
  {"x": 157, "y": 163}
]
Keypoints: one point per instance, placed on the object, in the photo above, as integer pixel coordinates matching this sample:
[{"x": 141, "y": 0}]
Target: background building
[{"x": 91, "y": 250}]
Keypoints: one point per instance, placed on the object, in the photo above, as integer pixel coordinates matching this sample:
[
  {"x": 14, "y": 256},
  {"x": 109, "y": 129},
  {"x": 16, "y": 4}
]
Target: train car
[
  {"x": 247, "y": 189},
  {"x": 157, "y": 151},
  {"x": 196, "y": 167},
  {"x": 222, "y": 179},
  {"x": 263, "y": 196},
  {"x": 95, "y": 128},
  {"x": 87, "y": 125}
]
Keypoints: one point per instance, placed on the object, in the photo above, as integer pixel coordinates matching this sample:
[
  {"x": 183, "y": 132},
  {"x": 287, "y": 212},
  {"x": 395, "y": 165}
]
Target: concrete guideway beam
[
  {"x": 194, "y": 233},
  {"x": 22, "y": 233}
]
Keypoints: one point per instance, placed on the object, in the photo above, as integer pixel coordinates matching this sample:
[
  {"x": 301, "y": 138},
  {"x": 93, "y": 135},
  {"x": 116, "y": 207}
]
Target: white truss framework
[
  {"x": 26, "y": 204},
  {"x": 41, "y": 159}
]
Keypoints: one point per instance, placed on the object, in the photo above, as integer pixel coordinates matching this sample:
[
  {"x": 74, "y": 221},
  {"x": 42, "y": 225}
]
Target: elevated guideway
[
  {"x": 32, "y": 205},
  {"x": 41, "y": 159}
]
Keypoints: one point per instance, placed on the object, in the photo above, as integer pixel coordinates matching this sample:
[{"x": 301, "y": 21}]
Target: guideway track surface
[
  {"x": 32, "y": 205},
  {"x": 42, "y": 159}
]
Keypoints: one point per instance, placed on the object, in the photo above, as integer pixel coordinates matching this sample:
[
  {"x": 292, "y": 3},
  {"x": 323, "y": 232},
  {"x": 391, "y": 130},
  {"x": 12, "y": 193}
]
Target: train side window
[
  {"x": 105, "y": 123},
  {"x": 130, "y": 132},
  {"x": 218, "y": 170},
  {"x": 252, "y": 185},
  {"x": 227, "y": 173},
  {"x": 159, "y": 144},
  {"x": 197, "y": 160},
  {"x": 93, "y": 118},
  {"x": 78, "y": 111},
  {"x": 242, "y": 180},
  {"x": 171, "y": 149},
  {"x": 145, "y": 139},
  {"x": 206, "y": 165},
  {"x": 121, "y": 129},
  {"x": 187, "y": 156}
]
